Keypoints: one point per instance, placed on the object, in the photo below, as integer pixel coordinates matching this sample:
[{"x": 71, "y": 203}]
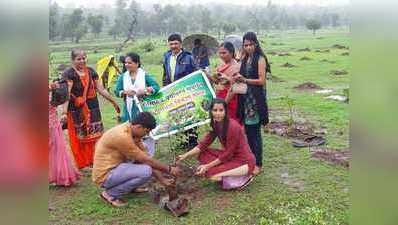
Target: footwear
[
  {"x": 251, "y": 178},
  {"x": 236, "y": 182},
  {"x": 112, "y": 200}
]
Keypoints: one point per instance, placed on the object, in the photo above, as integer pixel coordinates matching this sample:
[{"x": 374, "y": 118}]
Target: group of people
[{"x": 122, "y": 157}]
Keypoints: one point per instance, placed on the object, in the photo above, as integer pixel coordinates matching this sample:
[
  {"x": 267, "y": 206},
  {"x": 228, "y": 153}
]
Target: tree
[
  {"x": 74, "y": 25},
  {"x": 228, "y": 28},
  {"x": 126, "y": 20},
  {"x": 53, "y": 21},
  {"x": 335, "y": 19},
  {"x": 313, "y": 25},
  {"x": 96, "y": 23}
]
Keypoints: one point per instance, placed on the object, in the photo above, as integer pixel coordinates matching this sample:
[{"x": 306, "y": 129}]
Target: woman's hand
[
  {"x": 129, "y": 93},
  {"x": 201, "y": 170},
  {"x": 239, "y": 78},
  {"x": 149, "y": 90},
  {"x": 181, "y": 158},
  {"x": 116, "y": 106},
  {"x": 63, "y": 118}
]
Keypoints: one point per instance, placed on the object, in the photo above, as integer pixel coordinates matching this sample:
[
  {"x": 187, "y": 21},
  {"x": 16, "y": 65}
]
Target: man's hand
[
  {"x": 175, "y": 171},
  {"x": 167, "y": 182}
]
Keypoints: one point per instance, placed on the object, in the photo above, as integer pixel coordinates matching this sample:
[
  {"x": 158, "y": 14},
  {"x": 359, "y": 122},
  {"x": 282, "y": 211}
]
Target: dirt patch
[
  {"x": 336, "y": 157},
  {"x": 305, "y": 58},
  {"x": 345, "y": 54},
  {"x": 304, "y": 50},
  {"x": 328, "y": 61},
  {"x": 337, "y": 46},
  {"x": 323, "y": 51},
  {"x": 272, "y": 53},
  {"x": 338, "y": 72},
  {"x": 307, "y": 86},
  {"x": 277, "y": 44},
  {"x": 284, "y": 54},
  {"x": 288, "y": 65},
  {"x": 284, "y": 130}
]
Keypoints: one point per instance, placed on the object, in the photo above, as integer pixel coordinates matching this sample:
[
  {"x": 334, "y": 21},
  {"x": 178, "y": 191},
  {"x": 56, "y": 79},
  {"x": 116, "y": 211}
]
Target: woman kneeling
[{"x": 234, "y": 163}]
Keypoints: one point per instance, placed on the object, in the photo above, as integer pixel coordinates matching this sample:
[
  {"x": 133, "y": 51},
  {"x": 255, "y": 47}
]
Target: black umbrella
[
  {"x": 208, "y": 41},
  {"x": 235, "y": 40}
]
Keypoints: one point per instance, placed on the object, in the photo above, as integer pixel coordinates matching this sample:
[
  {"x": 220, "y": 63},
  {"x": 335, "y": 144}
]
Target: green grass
[{"x": 314, "y": 192}]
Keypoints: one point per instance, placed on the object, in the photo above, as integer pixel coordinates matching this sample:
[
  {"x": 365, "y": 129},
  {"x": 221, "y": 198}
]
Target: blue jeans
[{"x": 127, "y": 176}]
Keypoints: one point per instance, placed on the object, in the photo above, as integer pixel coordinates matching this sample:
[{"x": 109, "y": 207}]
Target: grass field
[{"x": 293, "y": 189}]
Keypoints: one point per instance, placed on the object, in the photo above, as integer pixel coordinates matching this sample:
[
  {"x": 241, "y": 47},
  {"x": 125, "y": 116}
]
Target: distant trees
[
  {"x": 127, "y": 19},
  {"x": 313, "y": 25},
  {"x": 96, "y": 23}
]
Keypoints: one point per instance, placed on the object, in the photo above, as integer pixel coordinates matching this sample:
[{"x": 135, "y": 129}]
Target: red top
[{"x": 236, "y": 146}]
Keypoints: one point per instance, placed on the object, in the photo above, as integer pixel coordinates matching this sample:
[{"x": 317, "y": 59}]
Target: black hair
[
  {"x": 134, "y": 57},
  {"x": 145, "y": 119},
  {"x": 122, "y": 59},
  {"x": 75, "y": 52},
  {"x": 258, "y": 51},
  {"x": 251, "y": 36},
  {"x": 174, "y": 37},
  {"x": 197, "y": 41},
  {"x": 230, "y": 47},
  {"x": 225, "y": 124}
]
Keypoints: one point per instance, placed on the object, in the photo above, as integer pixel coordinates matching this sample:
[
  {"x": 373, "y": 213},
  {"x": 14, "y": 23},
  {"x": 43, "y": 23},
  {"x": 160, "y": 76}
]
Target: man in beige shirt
[{"x": 121, "y": 162}]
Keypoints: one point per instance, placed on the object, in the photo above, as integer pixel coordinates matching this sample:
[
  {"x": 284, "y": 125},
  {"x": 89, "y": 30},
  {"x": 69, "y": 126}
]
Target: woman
[
  {"x": 252, "y": 106},
  {"x": 135, "y": 82},
  {"x": 225, "y": 72},
  {"x": 61, "y": 169},
  {"x": 234, "y": 160},
  {"x": 82, "y": 111}
]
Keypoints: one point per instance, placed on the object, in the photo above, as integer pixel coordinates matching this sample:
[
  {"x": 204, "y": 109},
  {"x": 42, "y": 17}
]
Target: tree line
[{"x": 128, "y": 19}]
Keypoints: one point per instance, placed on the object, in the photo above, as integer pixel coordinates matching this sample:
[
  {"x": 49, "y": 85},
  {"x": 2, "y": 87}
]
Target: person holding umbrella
[{"x": 200, "y": 54}]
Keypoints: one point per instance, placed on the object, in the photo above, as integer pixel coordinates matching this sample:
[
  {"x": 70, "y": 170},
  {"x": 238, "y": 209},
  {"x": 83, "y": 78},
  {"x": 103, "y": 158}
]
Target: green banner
[{"x": 180, "y": 105}]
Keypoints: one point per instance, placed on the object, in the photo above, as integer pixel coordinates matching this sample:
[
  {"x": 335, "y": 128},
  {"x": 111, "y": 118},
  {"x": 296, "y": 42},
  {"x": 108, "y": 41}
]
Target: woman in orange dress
[{"x": 82, "y": 111}]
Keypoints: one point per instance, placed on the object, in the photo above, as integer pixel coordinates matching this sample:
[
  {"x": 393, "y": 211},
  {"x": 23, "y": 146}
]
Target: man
[
  {"x": 121, "y": 162},
  {"x": 200, "y": 54},
  {"x": 177, "y": 63}
]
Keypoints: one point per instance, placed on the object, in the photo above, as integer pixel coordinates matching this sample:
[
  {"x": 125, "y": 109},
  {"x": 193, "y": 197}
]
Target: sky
[{"x": 98, "y": 3}]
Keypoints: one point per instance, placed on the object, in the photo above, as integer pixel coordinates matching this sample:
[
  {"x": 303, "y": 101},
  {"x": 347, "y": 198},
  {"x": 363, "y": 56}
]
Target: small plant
[{"x": 290, "y": 104}]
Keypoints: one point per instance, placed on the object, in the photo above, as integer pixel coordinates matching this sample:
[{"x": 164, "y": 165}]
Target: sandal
[
  {"x": 112, "y": 200},
  {"x": 251, "y": 178}
]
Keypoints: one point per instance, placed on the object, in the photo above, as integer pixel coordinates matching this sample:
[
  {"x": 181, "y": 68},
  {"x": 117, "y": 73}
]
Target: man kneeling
[{"x": 121, "y": 162}]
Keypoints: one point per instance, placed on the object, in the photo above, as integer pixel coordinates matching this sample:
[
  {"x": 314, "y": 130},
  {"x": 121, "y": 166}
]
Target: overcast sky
[{"x": 98, "y": 3}]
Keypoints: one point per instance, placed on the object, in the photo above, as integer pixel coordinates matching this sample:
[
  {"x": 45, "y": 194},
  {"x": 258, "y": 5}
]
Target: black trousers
[{"x": 253, "y": 133}]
